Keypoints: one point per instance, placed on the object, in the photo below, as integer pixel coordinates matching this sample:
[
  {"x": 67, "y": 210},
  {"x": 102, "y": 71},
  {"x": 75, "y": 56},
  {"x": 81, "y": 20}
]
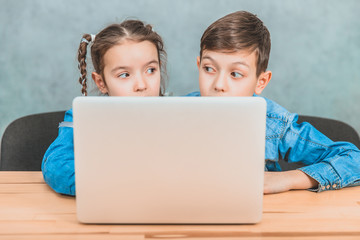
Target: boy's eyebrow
[
  {"x": 211, "y": 59},
  {"x": 127, "y": 67},
  {"x": 234, "y": 63},
  {"x": 241, "y": 63},
  {"x": 207, "y": 57}
]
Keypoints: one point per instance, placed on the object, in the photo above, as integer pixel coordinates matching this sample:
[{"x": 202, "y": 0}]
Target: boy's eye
[
  {"x": 124, "y": 75},
  {"x": 236, "y": 74},
  {"x": 209, "y": 69},
  {"x": 150, "y": 70}
]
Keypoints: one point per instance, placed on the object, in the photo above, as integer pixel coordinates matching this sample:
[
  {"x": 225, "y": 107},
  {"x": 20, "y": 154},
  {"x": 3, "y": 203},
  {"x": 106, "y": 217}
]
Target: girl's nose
[{"x": 140, "y": 84}]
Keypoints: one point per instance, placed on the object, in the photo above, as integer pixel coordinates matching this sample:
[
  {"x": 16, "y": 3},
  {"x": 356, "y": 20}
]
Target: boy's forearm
[
  {"x": 275, "y": 182},
  {"x": 300, "y": 180}
]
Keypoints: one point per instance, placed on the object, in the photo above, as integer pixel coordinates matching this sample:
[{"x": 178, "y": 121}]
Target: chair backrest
[
  {"x": 333, "y": 129},
  {"x": 26, "y": 139}
]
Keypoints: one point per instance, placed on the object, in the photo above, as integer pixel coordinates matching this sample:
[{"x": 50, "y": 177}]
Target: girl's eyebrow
[
  {"x": 127, "y": 67},
  {"x": 119, "y": 68},
  {"x": 152, "y": 62}
]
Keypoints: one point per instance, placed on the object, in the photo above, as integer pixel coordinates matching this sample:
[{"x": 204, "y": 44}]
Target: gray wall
[{"x": 315, "y": 55}]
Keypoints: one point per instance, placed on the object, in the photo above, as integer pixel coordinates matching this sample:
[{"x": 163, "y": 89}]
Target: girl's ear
[
  {"x": 100, "y": 83},
  {"x": 262, "y": 82},
  {"x": 198, "y": 62}
]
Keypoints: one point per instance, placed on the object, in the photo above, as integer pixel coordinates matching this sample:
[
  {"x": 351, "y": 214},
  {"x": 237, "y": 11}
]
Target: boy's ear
[
  {"x": 262, "y": 82},
  {"x": 198, "y": 61},
  {"x": 100, "y": 83}
]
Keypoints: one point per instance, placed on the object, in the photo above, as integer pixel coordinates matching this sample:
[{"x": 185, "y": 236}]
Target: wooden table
[{"x": 29, "y": 209}]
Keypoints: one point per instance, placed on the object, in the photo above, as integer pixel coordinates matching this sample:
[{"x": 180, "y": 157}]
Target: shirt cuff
[{"x": 324, "y": 174}]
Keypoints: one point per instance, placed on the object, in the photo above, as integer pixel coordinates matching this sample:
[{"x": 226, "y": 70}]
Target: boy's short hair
[{"x": 239, "y": 31}]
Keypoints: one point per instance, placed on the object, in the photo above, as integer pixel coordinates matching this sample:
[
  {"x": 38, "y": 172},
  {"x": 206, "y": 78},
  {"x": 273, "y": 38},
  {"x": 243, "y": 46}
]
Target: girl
[{"x": 129, "y": 60}]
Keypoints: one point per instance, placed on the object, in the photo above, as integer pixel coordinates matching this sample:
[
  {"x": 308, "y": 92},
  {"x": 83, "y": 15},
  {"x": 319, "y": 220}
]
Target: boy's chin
[{"x": 225, "y": 95}]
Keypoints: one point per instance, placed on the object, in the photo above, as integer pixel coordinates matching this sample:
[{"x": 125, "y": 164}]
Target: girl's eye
[
  {"x": 236, "y": 74},
  {"x": 150, "y": 70},
  {"x": 124, "y": 75},
  {"x": 209, "y": 69}
]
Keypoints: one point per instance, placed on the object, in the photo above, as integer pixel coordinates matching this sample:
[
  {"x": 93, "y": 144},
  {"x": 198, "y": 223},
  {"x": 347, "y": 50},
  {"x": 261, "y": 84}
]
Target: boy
[{"x": 234, "y": 54}]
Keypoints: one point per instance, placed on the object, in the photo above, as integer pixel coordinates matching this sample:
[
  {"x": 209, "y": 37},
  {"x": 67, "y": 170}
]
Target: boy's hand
[{"x": 275, "y": 182}]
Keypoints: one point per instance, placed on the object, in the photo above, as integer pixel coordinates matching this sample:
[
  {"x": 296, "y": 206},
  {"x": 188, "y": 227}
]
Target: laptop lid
[{"x": 169, "y": 160}]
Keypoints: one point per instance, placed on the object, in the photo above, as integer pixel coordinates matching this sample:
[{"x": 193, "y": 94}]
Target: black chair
[
  {"x": 26, "y": 139},
  {"x": 333, "y": 129}
]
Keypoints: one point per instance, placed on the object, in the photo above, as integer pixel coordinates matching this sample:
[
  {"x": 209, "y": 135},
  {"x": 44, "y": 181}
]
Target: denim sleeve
[
  {"x": 333, "y": 165},
  {"x": 193, "y": 94},
  {"x": 58, "y": 162}
]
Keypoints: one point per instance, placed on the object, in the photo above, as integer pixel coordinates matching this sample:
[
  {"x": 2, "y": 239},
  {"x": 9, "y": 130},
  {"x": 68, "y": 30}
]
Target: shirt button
[
  {"x": 323, "y": 187},
  {"x": 334, "y": 186},
  {"x": 328, "y": 186}
]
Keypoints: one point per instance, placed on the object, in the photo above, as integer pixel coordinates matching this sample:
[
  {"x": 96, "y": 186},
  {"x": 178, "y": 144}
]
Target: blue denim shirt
[{"x": 333, "y": 165}]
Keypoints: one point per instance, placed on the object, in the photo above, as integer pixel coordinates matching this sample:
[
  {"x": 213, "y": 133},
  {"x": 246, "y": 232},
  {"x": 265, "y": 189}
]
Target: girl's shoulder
[
  {"x": 193, "y": 94},
  {"x": 68, "y": 116},
  {"x": 68, "y": 119}
]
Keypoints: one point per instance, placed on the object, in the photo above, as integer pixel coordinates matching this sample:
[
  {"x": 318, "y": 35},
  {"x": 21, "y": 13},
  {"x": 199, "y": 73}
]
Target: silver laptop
[{"x": 169, "y": 160}]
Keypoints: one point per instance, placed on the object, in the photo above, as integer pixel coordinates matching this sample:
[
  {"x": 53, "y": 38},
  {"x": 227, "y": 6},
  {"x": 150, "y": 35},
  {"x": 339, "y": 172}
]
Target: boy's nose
[
  {"x": 221, "y": 84},
  {"x": 140, "y": 84}
]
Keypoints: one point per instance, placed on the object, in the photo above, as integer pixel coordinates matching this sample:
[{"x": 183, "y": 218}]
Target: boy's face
[{"x": 230, "y": 74}]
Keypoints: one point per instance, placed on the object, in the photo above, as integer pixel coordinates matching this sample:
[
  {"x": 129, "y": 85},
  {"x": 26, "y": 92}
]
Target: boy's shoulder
[
  {"x": 277, "y": 112},
  {"x": 273, "y": 110},
  {"x": 278, "y": 119}
]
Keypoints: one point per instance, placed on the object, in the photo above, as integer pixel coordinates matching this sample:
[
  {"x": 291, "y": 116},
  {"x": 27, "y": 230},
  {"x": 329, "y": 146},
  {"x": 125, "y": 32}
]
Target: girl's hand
[{"x": 276, "y": 182}]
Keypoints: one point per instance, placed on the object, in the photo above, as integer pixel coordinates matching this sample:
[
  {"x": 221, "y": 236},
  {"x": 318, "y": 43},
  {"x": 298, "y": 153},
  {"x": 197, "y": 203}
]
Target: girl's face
[{"x": 130, "y": 69}]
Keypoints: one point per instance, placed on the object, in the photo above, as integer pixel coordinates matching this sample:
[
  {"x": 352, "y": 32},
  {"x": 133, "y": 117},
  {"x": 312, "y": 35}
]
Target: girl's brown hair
[
  {"x": 114, "y": 34},
  {"x": 239, "y": 31}
]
